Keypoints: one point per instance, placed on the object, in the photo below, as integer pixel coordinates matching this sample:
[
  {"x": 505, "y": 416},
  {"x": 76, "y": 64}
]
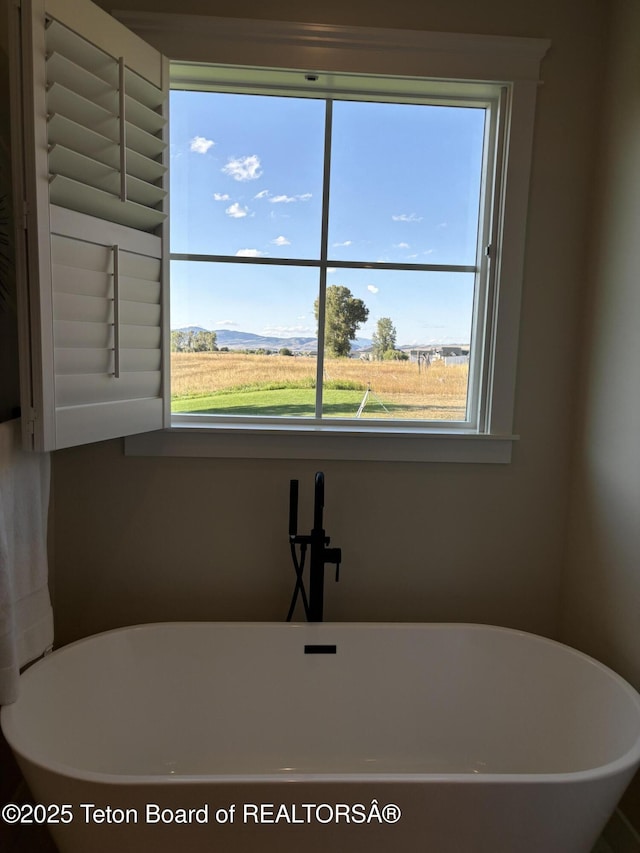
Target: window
[
  {"x": 327, "y": 253},
  {"x": 407, "y": 208}
]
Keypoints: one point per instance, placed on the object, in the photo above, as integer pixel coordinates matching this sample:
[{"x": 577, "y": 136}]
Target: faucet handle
[{"x": 334, "y": 555}]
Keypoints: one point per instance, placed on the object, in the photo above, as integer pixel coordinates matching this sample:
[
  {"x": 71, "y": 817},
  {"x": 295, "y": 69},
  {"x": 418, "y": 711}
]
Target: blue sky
[{"x": 246, "y": 180}]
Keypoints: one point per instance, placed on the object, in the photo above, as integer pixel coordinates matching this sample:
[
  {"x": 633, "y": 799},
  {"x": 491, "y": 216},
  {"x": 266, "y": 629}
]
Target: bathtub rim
[{"x": 598, "y": 773}]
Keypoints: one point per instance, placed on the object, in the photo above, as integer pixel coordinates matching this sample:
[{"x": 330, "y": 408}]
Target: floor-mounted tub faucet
[{"x": 320, "y": 554}]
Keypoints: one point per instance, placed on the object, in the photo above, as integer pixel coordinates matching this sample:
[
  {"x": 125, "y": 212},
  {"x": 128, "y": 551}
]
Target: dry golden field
[{"x": 436, "y": 392}]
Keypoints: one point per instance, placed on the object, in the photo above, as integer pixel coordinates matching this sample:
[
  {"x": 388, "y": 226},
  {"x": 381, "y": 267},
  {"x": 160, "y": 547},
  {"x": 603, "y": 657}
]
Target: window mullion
[{"x": 324, "y": 240}]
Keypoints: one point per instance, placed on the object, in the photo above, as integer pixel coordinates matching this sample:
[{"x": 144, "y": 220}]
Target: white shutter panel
[{"x": 94, "y": 103}]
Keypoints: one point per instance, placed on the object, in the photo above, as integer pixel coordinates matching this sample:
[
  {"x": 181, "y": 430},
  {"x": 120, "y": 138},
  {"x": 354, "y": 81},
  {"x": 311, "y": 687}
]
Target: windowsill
[{"x": 357, "y": 443}]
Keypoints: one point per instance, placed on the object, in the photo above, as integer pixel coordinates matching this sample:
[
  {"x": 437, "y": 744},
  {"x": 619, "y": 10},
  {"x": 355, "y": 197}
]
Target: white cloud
[
  {"x": 200, "y": 144},
  {"x": 372, "y": 288},
  {"x": 235, "y": 211},
  {"x": 346, "y": 243},
  {"x": 281, "y": 241},
  {"x": 401, "y": 246},
  {"x": 406, "y": 217},
  {"x": 284, "y": 199},
  {"x": 225, "y": 323},
  {"x": 244, "y": 168},
  {"x": 221, "y": 197},
  {"x": 249, "y": 253},
  {"x": 331, "y": 270}
]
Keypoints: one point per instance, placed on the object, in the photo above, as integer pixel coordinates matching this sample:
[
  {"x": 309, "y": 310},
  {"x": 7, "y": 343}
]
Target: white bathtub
[{"x": 443, "y": 738}]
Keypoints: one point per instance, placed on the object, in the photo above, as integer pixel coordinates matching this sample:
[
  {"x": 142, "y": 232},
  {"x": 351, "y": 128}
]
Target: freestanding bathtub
[{"x": 242, "y": 738}]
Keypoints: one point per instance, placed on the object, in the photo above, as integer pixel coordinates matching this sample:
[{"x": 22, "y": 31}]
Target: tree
[
  {"x": 344, "y": 314},
  {"x": 204, "y": 342},
  {"x": 190, "y": 341},
  {"x": 176, "y": 340},
  {"x": 384, "y": 338},
  {"x": 395, "y": 355}
]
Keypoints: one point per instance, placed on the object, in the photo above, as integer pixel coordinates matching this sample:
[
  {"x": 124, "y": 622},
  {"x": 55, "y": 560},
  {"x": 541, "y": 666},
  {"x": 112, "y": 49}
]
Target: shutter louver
[{"x": 90, "y": 140}]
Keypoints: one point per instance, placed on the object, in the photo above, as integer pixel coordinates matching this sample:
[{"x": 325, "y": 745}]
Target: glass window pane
[
  {"x": 405, "y": 183},
  {"x": 408, "y": 353},
  {"x": 246, "y": 175},
  {"x": 264, "y": 361}
]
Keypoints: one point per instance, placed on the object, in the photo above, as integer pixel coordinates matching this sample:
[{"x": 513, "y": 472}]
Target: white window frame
[
  {"x": 511, "y": 63},
  {"x": 332, "y": 88}
]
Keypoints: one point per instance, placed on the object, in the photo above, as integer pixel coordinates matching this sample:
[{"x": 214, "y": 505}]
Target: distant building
[{"x": 450, "y": 354}]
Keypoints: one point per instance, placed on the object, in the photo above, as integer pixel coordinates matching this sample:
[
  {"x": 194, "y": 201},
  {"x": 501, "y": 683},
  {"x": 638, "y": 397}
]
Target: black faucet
[{"x": 320, "y": 555}]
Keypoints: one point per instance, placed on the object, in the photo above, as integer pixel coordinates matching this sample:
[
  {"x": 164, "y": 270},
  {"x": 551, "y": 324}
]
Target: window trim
[
  {"x": 455, "y": 58},
  {"x": 355, "y": 444}
]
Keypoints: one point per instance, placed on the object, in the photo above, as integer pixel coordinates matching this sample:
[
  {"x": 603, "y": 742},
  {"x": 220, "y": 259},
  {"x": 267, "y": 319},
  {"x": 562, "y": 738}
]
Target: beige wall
[
  {"x": 601, "y": 596},
  {"x": 145, "y": 539},
  {"x": 601, "y": 593}
]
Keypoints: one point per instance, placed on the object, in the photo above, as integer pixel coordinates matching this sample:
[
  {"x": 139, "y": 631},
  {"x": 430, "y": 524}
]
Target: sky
[{"x": 246, "y": 181}]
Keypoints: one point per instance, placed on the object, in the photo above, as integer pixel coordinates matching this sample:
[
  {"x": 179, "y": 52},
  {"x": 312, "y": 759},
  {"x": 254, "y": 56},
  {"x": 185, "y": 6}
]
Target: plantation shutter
[{"x": 92, "y": 102}]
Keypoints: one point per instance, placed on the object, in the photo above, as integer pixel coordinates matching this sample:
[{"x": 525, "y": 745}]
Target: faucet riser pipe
[{"x": 316, "y": 590}]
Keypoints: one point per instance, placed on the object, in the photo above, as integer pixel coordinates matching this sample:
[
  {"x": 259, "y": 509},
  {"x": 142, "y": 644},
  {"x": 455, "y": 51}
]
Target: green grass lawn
[{"x": 283, "y": 402}]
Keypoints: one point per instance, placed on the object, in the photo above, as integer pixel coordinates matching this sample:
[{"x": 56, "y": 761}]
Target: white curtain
[{"x": 26, "y": 617}]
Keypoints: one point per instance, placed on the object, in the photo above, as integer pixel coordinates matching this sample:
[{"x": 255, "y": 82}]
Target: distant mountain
[
  {"x": 190, "y": 329},
  {"x": 361, "y": 343},
  {"x": 248, "y": 340}
]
